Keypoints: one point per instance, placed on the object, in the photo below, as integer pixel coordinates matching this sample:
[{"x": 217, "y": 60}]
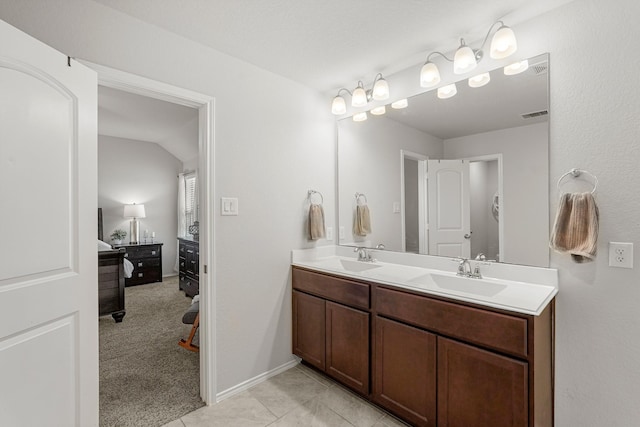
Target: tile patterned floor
[{"x": 296, "y": 397}]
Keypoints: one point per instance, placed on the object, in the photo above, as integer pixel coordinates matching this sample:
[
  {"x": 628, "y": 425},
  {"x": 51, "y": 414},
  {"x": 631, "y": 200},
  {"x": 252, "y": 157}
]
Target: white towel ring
[
  {"x": 361, "y": 196},
  {"x": 310, "y": 194},
  {"x": 576, "y": 173}
]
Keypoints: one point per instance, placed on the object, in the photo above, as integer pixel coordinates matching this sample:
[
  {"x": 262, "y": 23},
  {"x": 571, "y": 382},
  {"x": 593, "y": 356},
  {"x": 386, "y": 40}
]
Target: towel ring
[
  {"x": 576, "y": 173},
  {"x": 361, "y": 195},
  {"x": 310, "y": 194}
]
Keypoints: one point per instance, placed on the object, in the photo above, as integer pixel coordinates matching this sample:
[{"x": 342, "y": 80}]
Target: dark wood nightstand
[
  {"x": 189, "y": 254},
  {"x": 147, "y": 263}
]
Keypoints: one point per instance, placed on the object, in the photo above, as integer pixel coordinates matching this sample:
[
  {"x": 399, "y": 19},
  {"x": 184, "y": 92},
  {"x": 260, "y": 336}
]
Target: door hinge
[{"x": 205, "y": 269}]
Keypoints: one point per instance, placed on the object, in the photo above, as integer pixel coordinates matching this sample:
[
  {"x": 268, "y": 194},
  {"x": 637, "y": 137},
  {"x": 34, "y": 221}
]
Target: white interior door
[
  {"x": 448, "y": 205},
  {"x": 48, "y": 253}
]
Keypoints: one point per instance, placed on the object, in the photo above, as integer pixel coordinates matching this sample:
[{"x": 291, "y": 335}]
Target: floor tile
[
  {"x": 242, "y": 410},
  {"x": 322, "y": 379},
  {"x": 287, "y": 391},
  {"x": 311, "y": 414},
  {"x": 351, "y": 407},
  {"x": 175, "y": 423}
]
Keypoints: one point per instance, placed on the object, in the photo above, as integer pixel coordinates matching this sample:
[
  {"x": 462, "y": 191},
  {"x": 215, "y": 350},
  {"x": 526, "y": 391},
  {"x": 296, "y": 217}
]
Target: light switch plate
[
  {"x": 228, "y": 206},
  {"x": 621, "y": 254}
]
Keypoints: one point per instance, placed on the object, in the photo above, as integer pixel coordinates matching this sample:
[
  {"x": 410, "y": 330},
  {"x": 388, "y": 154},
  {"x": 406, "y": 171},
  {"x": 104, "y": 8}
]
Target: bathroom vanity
[{"x": 419, "y": 343}]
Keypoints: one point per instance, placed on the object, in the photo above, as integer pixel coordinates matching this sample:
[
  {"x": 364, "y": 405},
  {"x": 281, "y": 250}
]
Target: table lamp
[{"x": 134, "y": 212}]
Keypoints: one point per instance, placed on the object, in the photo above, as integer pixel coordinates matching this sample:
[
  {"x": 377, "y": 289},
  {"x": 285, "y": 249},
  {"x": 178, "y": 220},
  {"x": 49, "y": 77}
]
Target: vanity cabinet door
[
  {"x": 405, "y": 371},
  {"x": 309, "y": 328},
  {"x": 478, "y": 388},
  {"x": 347, "y": 346}
]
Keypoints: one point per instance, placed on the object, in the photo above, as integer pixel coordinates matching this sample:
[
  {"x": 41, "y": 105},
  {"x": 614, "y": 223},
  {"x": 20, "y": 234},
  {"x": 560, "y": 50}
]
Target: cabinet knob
[
  {"x": 182, "y": 264},
  {"x": 193, "y": 262},
  {"x": 126, "y": 255},
  {"x": 153, "y": 252},
  {"x": 139, "y": 264},
  {"x": 140, "y": 274}
]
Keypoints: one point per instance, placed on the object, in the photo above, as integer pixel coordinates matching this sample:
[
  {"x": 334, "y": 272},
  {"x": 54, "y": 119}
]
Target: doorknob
[{"x": 468, "y": 235}]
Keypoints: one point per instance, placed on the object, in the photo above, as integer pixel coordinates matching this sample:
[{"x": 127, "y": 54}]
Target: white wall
[
  {"x": 369, "y": 154},
  {"x": 144, "y": 173},
  {"x": 525, "y": 169},
  {"x": 274, "y": 141},
  {"x": 594, "y": 125}
]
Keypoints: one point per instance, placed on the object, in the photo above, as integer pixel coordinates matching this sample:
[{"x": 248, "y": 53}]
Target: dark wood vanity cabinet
[
  {"x": 330, "y": 329},
  {"x": 434, "y": 361}
]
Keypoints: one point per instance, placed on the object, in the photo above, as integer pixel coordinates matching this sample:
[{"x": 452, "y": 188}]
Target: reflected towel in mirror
[
  {"x": 576, "y": 226},
  {"x": 316, "y": 222},
  {"x": 362, "y": 224}
]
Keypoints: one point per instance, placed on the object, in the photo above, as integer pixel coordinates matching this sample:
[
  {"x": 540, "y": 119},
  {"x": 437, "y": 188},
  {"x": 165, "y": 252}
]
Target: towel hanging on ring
[{"x": 575, "y": 230}]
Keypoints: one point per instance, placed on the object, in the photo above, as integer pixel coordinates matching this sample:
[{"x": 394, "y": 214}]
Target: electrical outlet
[
  {"x": 621, "y": 254},
  {"x": 329, "y": 233}
]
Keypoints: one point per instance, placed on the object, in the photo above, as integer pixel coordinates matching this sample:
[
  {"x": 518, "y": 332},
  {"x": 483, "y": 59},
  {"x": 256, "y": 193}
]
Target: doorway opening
[{"x": 114, "y": 79}]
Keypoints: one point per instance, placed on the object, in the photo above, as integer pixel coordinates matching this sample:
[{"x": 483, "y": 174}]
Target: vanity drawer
[
  {"x": 494, "y": 330},
  {"x": 333, "y": 288}
]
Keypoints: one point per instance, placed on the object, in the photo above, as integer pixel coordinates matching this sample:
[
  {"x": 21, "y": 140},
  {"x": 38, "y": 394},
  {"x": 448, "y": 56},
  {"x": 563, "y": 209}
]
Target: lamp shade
[
  {"x": 360, "y": 117},
  {"x": 464, "y": 60},
  {"x": 400, "y": 104},
  {"x": 359, "y": 97},
  {"x": 338, "y": 106},
  {"x": 516, "y": 68},
  {"x": 378, "y": 111},
  {"x": 503, "y": 43},
  {"x": 479, "y": 80},
  {"x": 134, "y": 211},
  {"x": 429, "y": 75},
  {"x": 381, "y": 90}
]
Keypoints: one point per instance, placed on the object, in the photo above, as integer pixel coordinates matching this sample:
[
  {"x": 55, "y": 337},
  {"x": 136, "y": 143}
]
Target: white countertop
[{"x": 526, "y": 290}]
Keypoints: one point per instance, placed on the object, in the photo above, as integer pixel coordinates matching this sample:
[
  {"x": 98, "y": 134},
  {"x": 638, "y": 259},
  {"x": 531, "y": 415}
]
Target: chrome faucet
[
  {"x": 464, "y": 269},
  {"x": 363, "y": 254}
]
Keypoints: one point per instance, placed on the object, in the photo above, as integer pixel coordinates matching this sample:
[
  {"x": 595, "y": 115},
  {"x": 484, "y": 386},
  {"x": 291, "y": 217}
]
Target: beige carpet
[{"x": 146, "y": 379}]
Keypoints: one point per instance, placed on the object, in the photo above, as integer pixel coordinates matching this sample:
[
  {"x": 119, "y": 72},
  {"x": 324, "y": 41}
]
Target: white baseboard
[{"x": 255, "y": 381}]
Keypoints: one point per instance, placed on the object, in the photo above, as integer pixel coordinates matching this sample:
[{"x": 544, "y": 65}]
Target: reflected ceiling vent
[
  {"x": 539, "y": 68},
  {"x": 535, "y": 114}
]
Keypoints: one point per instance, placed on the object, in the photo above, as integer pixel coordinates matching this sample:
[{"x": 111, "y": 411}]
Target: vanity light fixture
[
  {"x": 447, "y": 91},
  {"x": 361, "y": 96},
  {"x": 400, "y": 104},
  {"x": 466, "y": 58},
  {"x": 516, "y": 68}
]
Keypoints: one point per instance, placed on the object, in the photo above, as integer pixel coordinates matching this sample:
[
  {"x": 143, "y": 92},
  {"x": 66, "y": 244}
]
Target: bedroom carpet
[{"x": 146, "y": 379}]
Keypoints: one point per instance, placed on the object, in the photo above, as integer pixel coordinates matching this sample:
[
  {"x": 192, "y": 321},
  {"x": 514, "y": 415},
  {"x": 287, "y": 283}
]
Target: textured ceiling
[{"x": 327, "y": 43}]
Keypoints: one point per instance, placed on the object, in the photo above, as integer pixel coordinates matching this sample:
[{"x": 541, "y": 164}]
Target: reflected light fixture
[
  {"x": 360, "y": 117},
  {"x": 503, "y": 44},
  {"x": 400, "y": 104},
  {"x": 360, "y": 96},
  {"x": 447, "y": 91},
  {"x": 479, "y": 80},
  {"x": 516, "y": 68},
  {"x": 378, "y": 111}
]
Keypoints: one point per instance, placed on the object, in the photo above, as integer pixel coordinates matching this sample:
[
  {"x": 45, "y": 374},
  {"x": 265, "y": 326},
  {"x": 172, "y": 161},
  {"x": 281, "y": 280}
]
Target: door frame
[
  {"x": 422, "y": 200},
  {"x": 205, "y": 105},
  {"x": 498, "y": 157}
]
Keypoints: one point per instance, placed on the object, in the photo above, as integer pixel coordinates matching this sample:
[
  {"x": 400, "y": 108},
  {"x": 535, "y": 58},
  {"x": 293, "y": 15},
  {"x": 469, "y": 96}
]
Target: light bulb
[
  {"x": 400, "y": 104},
  {"x": 479, "y": 80},
  {"x": 338, "y": 106},
  {"x": 381, "y": 90},
  {"x": 503, "y": 43},
  {"x": 359, "y": 97},
  {"x": 360, "y": 117},
  {"x": 464, "y": 60},
  {"x": 429, "y": 75},
  {"x": 516, "y": 68},
  {"x": 378, "y": 111},
  {"x": 447, "y": 91}
]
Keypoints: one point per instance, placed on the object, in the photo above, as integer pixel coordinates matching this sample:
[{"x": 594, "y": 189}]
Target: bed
[{"x": 110, "y": 277}]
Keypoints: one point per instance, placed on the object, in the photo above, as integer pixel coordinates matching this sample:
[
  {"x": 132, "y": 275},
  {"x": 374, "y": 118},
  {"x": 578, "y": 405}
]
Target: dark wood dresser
[
  {"x": 147, "y": 262},
  {"x": 189, "y": 266}
]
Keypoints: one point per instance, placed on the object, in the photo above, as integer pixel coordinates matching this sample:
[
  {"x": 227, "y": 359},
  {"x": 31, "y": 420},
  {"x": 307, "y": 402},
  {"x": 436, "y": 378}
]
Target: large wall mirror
[{"x": 463, "y": 176}]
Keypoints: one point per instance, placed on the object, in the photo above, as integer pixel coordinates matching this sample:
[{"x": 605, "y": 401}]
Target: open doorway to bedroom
[{"x": 153, "y": 151}]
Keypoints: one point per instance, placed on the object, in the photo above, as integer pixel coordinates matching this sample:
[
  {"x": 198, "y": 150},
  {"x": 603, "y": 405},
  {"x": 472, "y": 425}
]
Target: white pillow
[{"x": 103, "y": 246}]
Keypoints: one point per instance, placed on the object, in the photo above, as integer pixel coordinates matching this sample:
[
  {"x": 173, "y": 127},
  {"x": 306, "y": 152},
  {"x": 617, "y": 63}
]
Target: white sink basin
[
  {"x": 481, "y": 287},
  {"x": 357, "y": 266}
]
